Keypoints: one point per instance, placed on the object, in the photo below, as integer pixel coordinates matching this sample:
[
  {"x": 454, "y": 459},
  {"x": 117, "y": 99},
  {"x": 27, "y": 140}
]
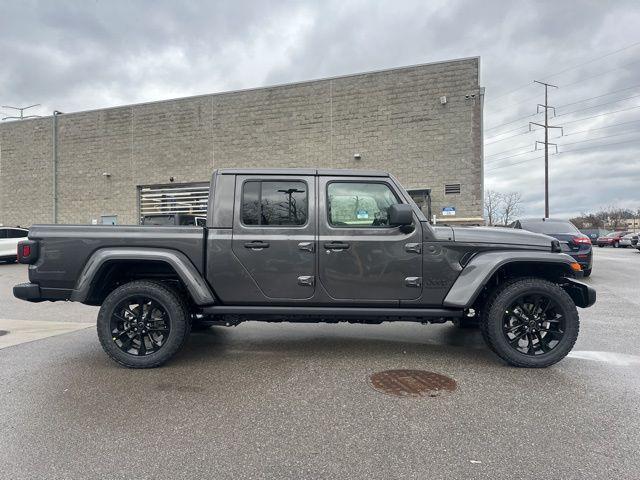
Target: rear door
[
  {"x": 274, "y": 233},
  {"x": 361, "y": 257}
]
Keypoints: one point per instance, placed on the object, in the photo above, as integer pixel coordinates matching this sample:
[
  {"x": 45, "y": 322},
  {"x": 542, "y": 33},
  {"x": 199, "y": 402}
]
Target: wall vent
[{"x": 451, "y": 188}]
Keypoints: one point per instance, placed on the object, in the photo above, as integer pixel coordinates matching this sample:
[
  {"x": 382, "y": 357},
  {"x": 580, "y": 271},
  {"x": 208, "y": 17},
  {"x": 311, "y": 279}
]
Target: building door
[
  {"x": 362, "y": 257},
  {"x": 274, "y": 234}
]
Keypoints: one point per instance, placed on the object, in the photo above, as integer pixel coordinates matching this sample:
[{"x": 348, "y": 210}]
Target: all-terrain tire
[
  {"x": 172, "y": 302},
  {"x": 491, "y": 324}
]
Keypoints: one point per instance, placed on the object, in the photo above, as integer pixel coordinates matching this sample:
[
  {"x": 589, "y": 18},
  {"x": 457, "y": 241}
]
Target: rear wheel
[
  {"x": 530, "y": 322},
  {"x": 142, "y": 324}
]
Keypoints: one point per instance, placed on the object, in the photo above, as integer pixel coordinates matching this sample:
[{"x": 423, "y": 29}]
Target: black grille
[{"x": 451, "y": 188}]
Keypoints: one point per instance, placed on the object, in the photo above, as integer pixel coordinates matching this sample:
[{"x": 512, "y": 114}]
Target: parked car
[
  {"x": 309, "y": 245},
  {"x": 572, "y": 241},
  {"x": 629, "y": 240},
  {"x": 173, "y": 219},
  {"x": 9, "y": 238},
  {"x": 611, "y": 240}
]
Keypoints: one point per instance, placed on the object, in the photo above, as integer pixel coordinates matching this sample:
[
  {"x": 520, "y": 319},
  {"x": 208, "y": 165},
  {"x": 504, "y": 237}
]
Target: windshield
[{"x": 549, "y": 227}]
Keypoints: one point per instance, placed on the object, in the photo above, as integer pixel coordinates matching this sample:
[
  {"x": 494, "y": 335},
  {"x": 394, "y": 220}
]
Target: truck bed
[{"x": 65, "y": 249}]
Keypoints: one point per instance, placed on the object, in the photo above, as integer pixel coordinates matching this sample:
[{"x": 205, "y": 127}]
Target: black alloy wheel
[
  {"x": 530, "y": 322},
  {"x": 534, "y": 324},
  {"x": 140, "y": 326}
]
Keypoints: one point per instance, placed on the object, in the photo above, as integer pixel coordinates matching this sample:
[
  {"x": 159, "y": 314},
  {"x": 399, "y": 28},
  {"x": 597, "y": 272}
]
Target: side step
[{"x": 337, "y": 312}]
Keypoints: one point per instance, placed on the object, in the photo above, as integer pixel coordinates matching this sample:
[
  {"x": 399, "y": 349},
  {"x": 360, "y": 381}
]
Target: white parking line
[{"x": 15, "y": 332}]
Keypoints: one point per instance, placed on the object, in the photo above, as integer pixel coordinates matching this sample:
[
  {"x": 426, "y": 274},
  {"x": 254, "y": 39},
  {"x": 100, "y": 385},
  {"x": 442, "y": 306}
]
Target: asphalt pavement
[{"x": 295, "y": 401}]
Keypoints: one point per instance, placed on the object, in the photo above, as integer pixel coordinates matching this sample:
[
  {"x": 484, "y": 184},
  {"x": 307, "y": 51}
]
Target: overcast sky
[{"x": 79, "y": 55}]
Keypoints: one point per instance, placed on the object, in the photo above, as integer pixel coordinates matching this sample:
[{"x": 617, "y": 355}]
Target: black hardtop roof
[{"x": 303, "y": 171}]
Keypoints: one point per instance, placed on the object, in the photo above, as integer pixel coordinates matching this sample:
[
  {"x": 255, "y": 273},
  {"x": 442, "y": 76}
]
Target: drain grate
[
  {"x": 411, "y": 383},
  {"x": 3, "y": 332}
]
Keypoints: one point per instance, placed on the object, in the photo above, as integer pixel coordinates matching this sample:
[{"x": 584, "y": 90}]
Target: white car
[
  {"x": 9, "y": 238},
  {"x": 630, "y": 240}
]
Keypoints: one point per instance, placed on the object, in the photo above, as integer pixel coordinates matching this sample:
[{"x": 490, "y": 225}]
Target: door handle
[
  {"x": 336, "y": 245},
  {"x": 256, "y": 245},
  {"x": 306, "y": 246}
]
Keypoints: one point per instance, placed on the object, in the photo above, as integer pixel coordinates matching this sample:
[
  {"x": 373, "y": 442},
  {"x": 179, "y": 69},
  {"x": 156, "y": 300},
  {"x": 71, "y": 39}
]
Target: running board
[{"x": 333, "y": 311}]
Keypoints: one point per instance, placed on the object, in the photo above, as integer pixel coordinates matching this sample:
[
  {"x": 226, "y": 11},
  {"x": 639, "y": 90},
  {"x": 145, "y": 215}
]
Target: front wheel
[
  {"x": 530, "y": 322},
  {"x": 142, "y": 324}
]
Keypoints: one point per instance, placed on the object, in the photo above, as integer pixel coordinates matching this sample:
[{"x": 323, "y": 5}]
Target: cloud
[{"x": 79, "y": 55}]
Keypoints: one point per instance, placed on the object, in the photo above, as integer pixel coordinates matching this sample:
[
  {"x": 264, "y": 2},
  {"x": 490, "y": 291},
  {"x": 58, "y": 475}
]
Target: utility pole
[
  {"x": 546, "y": 143},
  {"x": 21, "y": 110}
]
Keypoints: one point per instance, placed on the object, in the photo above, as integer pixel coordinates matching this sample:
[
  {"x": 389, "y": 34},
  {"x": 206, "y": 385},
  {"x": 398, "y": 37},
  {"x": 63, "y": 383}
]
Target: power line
[
  {"x": 600, "y": 74},
  {"x": 576, "y": 102},
  {"x": 596, "y": 106},
  {"x": 511, "y": 136},
  {"x": 603, "y": 114},
  {"x": 593, "y": 60},
  {"x": 598, "y": 138},
  {"x": 560, "y": 153},
  {"x": 568, "y": 69},
  {"x": 600, "y": 128}
]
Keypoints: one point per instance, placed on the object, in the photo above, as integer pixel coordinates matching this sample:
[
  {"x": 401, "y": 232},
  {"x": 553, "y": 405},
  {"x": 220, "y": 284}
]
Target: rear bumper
[
  {"x": 27, "y": 291},
  {"x": 582, "y": 294}
]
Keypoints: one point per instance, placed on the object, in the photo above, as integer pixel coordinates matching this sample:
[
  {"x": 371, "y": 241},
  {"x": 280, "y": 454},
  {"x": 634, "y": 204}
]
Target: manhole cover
[
  {"x": 411, "y": 383},
  {"x": 3, "y": 332}
]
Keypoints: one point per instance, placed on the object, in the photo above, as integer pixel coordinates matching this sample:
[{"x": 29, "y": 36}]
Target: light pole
[{"x": 54, "y": 182}]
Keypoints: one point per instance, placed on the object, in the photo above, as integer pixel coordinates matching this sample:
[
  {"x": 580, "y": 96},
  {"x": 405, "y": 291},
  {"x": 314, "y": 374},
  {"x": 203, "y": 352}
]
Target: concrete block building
[{"x": 422, "y": 123}]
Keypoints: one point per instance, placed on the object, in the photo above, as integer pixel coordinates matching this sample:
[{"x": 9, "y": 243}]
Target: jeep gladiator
[{"x": 306, "y": 245}]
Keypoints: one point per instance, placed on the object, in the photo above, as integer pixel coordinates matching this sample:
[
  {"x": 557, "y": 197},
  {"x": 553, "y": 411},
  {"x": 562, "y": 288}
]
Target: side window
[
  {"x": 359, "y": 204},
  {"x": 3, "y": 233},
  {"x": 17, "y": 233},
  {"x": 274, "y": 203}
]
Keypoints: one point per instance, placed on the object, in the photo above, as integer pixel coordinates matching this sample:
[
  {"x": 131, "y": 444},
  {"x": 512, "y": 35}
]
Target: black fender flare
[
  {"x": 192, "y": 279},
  {"x": 481, "y": 267}
]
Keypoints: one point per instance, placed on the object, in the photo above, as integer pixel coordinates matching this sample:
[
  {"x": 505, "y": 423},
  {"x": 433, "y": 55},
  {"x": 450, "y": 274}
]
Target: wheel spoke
[
  {"x": 515, "y": 340},
  {"x": 545, "y": 348},
  {"x": 142, "y": 350}
]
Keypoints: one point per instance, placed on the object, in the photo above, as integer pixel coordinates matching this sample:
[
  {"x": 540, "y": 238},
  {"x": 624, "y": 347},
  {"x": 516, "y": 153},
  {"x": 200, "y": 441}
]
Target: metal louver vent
[{"x": 451, "y": 188}]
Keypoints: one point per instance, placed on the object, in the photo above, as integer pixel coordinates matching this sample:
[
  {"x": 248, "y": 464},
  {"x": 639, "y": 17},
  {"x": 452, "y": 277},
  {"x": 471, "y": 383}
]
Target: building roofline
[{"x": 265, "y": 87}]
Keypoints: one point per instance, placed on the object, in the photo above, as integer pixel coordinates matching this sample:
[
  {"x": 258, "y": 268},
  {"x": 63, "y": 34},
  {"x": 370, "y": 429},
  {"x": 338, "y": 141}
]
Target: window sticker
[{"x": 362, "y": 215}]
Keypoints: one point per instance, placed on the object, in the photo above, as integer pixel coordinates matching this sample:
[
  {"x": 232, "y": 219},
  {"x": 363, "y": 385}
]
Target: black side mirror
[{"x": 400, "y": 214}]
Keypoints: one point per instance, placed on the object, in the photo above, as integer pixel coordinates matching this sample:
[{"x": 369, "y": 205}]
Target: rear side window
[
  {"x": 359, "y": 204},
  {"x": 3, "y": 233},
  {"x": 16, "y": 233},
  {"x": 274, "y": 203}
]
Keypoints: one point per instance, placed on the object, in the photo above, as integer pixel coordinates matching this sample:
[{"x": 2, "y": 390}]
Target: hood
[{"x": 507, "y": 236}]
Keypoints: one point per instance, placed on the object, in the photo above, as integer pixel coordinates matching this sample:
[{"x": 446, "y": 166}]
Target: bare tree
[
  {"x": 492, "y": 205},
  {"x": 511, "y": 207}
]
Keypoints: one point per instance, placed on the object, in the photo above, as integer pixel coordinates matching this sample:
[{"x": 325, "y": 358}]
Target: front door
[
  {"x": 274, "y": 234},
  {"x": 362, "y": 257}
]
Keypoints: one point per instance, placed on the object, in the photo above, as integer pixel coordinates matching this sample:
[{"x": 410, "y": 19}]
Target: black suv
[{"x": 572, "y": 241}]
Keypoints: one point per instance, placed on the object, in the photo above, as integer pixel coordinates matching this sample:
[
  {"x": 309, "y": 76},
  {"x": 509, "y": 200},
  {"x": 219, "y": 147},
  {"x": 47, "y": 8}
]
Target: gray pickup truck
[{"x": 306, "y": 245}]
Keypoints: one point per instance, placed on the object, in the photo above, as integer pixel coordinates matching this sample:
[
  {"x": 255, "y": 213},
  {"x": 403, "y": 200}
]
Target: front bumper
[
  {"x": 582, "y": 294},
  {"x": 27, "y": 291}
]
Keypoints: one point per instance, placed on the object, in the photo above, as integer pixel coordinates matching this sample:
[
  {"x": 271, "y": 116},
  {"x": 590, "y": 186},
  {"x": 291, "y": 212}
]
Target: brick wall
[{"x": 394, "y": 119}]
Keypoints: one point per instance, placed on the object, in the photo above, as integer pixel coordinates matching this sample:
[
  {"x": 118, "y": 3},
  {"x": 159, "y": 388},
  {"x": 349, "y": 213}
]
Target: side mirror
[{"x": 400, "y": 214}]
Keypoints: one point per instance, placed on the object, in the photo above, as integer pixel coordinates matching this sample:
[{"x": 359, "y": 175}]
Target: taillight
[
  {"x": 27, "y": 251},
  {"x": 581, "y": 240}
]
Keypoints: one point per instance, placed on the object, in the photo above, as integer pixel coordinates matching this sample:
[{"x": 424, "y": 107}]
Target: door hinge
[
  {"x": 413, "y": 281},
  {"x": 413, "y": 248},
  {"x": 306, "y": 280}
]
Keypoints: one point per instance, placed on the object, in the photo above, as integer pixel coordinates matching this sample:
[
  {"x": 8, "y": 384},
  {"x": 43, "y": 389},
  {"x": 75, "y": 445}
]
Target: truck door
[
  {"x": 360, "y": 256},
  {"x": 274, "y": 233}
]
